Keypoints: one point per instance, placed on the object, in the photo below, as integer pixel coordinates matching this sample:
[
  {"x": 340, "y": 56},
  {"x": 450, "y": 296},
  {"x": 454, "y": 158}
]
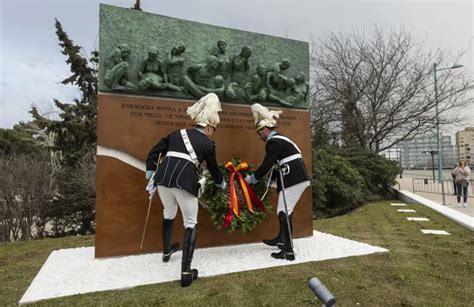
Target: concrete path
[
  {"x": 463, "y": 216},
  {"x": 406, "y": 184}
]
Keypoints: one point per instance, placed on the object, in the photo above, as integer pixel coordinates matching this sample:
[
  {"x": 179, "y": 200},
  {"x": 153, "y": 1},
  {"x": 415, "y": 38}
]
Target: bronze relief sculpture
[
  {"x": 227, "y": 76},
  {"x": 116, "y": 70}
]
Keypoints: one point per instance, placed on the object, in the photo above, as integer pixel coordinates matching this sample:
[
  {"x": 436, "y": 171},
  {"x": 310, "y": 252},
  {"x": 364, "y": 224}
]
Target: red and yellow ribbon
[{"x": 249, "y": 195}]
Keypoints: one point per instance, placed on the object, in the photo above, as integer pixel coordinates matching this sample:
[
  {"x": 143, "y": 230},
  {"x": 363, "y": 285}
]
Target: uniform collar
[
  {"x": 200, "y": 130},
  {"x": 270, "y": 135}
]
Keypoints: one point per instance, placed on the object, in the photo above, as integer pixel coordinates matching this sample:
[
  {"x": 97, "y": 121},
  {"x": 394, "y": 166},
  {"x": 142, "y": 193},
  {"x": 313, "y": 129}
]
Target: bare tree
[
  {"x": 24, "y": 194},
  {"x": 379, "y": 91},
  {"x": 46, "y": 139},
  {"x": 76, "y": 211}
]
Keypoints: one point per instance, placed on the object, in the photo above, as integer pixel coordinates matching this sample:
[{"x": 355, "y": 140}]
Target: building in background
[
  {"x": 465, "y": 143},
  {"x": 422, "y": 152}
]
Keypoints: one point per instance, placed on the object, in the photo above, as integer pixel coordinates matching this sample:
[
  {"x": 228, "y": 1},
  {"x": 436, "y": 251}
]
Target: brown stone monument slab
[{"x": 130, "y": 125}]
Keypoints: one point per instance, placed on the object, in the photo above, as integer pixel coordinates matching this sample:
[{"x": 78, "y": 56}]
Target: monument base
[
  {"x": 128, "y": 127},
  {"x": 84, "y": 274}
]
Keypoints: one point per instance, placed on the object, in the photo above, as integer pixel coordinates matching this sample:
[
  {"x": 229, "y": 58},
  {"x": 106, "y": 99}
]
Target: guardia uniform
[
  {"x": 177, "y": 169},
  {"x": 177, "y": 178},
  {"x": 282, "y": 152}
]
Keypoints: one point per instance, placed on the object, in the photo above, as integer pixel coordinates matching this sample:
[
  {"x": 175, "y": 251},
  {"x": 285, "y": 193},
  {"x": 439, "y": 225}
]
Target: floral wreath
[{"x": 239, "y": 207}]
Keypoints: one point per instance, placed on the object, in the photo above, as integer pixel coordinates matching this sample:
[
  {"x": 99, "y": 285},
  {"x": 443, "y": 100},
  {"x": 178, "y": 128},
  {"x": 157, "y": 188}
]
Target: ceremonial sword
[
  {"x": 152, "y": 179},
  {"x": 280, "y": 171}
]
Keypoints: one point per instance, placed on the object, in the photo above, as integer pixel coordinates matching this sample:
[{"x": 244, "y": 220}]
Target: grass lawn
[{"x": 419, "y": 270}]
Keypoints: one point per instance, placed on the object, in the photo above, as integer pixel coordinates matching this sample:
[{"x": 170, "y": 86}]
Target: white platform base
[{"x": 75, "y": 271}]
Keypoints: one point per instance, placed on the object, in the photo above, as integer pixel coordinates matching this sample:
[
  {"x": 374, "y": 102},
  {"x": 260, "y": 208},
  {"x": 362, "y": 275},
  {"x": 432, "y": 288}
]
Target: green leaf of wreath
[{"x": 217, "y": 202}]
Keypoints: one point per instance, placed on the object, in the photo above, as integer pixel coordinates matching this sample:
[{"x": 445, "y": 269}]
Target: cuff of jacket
[{"x": 149, "y": 174}]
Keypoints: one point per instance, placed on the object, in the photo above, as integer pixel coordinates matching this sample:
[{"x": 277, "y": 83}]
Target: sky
[{"x": 32, "y": 66}]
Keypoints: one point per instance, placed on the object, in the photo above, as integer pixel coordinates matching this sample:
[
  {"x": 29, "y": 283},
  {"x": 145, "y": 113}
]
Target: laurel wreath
[{"x": 216, "y": 201}]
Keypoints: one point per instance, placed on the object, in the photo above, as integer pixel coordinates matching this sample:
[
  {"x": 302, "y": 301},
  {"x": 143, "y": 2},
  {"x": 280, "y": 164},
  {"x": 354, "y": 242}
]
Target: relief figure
[
  {"x": 279, "y": 86},
  {"x": 256, "y": 90},
  {"x": 116, "y": 70},
  {"x": 223, "y": 59},
  {"x": 175, "y": 64},
  {"x": 201, "y": 75},
  {"x": 152, "y": 74},
  {"x": 240, "y": 66}
]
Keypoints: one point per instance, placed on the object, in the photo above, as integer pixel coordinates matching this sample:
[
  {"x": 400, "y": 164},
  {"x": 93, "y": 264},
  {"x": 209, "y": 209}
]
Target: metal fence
[
  {"x": 426, "y": 173},
  {"x": 426, "y": 185}
]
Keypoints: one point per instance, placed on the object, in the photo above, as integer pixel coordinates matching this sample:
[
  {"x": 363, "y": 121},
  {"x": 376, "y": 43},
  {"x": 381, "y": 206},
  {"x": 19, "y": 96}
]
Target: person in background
[
  {"x": 462, "y": 172},
  {"x": 454, "y": 179}
]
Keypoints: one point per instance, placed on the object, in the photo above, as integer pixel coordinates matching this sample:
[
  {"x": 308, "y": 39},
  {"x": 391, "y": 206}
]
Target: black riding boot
[
  {"x": 290, "y": 217},
  {"x": 286, "y": 249},
  {"x": 188, "y": 275},
  {"x": 277, "y": 241},
  {"x": 168, "y": 249}
]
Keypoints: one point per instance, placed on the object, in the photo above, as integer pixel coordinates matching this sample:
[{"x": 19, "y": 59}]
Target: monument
[{"x": 152, "y": 68}]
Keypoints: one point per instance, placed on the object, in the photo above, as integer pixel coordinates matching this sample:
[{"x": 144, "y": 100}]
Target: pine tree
[
  {"x": 76, "y": 129},
  {"x": 17, "y": 141},
  {"x": 73, "y": 210}
]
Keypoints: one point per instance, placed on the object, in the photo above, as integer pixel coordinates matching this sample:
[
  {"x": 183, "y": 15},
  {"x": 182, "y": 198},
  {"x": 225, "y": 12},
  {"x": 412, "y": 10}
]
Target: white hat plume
[
  {"x": 205, "y": 111},
  {"x": 264, "y": 117}
]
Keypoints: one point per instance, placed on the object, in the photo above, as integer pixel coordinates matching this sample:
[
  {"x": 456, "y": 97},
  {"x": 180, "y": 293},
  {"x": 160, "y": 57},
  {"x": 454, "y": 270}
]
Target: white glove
[
  {"x": 273, "y": 184},
  {"x": 250, "y": 179},
  {"x": 151, "y": 188},
  {"x": 202, "y": 182}
]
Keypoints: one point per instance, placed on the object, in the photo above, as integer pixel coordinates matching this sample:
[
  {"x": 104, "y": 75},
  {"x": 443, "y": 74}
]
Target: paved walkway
[
  {"x": 464, "y": 216},
  {"x": 451, "y": 202}
]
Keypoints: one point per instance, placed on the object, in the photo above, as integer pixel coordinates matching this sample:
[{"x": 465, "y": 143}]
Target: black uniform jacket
[
  {"x": 181, "y": 173},
  {"x": 278, "y": 149}
]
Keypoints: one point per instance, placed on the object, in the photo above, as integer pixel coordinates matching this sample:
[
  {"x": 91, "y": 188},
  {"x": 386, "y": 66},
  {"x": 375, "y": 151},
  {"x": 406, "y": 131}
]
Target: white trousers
[
  {"x": 292, "y": 195},
  {"x": 172, "y": 198}
]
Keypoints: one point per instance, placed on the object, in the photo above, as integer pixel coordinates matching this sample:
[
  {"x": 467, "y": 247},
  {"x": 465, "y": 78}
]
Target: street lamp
[
  {"x": 432, "y": 153},
  {"x": 400, "y": 161},
  {"x": 440, "y": 151}
]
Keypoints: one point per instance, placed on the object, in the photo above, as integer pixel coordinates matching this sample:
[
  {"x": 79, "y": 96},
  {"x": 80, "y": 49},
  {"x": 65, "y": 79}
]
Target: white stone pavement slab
[
  {"x": 461, "y": 218},
  {"x": 398, "y": 205},
  {"x": 75, "y": 271},
  {"x": 418, "y": 219},
  {"x": 406, "y": 210},
  {"x": 434, "y": 232}
]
